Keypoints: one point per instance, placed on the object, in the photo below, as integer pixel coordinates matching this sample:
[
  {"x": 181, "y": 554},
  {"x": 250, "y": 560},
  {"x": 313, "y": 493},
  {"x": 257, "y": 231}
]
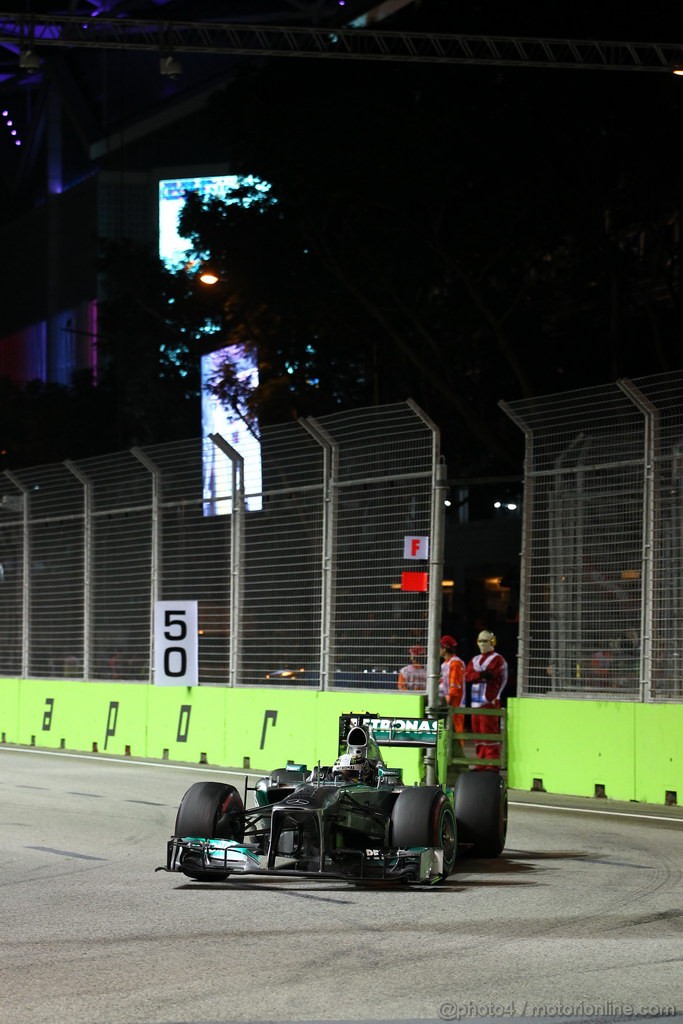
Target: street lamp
[{"x": 209, "y": 277}]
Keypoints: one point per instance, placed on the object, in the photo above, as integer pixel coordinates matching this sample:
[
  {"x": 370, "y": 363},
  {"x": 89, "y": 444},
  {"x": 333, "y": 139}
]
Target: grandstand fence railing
[
  {"x": 297, "y": 576},
  {"x": 601, "y": 592}
]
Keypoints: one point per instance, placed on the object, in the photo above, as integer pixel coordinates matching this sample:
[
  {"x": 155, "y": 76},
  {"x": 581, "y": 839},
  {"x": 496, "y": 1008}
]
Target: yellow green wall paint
[
  {"x": 633, "y": 751},
  {"x": 238, "y": 728}
]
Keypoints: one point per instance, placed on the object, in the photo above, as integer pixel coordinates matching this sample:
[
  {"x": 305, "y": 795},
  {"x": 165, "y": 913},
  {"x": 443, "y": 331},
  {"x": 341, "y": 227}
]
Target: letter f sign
[{"x": 416, "y": 547}]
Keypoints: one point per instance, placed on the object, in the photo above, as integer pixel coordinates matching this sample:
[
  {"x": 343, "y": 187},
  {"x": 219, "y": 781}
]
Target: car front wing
[{"x": 220, "y": 856}]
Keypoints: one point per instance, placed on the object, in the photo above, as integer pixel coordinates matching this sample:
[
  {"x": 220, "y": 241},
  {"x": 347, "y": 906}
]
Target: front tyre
[
  {"x": 210, "y": 810},
  {"x": 423, "y": 816}
]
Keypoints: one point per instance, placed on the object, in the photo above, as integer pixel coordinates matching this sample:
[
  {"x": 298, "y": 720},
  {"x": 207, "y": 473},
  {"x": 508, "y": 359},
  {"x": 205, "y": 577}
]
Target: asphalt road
[{"x": 582, "y": 917}]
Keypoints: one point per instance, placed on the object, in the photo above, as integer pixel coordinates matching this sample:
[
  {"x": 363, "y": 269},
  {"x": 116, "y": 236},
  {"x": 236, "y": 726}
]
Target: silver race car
[{"x": 353, "y": 820}]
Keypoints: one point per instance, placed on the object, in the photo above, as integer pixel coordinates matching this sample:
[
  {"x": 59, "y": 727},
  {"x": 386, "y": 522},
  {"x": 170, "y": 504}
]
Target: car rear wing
[
  {"x": 431, "y": 732},
  {"x": 391, "y": 732}
]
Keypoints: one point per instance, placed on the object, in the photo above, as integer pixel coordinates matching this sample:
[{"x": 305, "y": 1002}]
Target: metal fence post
[
  {"x": 651, "y": 416},
  {"x": 525, "y": 553},
  {"x": 435, "y": 600},
  {"x": 87, "y": 563},
  {"x": 436, "y": 555},
  {"x": 330, "y": 479},
  {"x": 435, "y": 596},
  {"x": 25, "y": 573},
  {"x": 434, "y": 607},
  {"x": 236, "y": 555},
  {"x": 155, "y": 560}
]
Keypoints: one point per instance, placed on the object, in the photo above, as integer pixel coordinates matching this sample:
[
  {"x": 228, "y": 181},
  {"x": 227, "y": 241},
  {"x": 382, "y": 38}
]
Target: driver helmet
[
  {"x": 486, "y": 641},
  {"x": 352, "y": 768}
]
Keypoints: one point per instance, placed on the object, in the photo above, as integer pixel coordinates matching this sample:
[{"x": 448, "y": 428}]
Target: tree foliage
[
  {"x": 41, "y": 423},
  {"x": 148, "y": 330},
  {"x": 458, "y": 236}
]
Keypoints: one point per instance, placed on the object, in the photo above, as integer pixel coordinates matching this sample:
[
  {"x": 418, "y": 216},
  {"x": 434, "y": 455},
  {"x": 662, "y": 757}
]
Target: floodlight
[
  {"x": 29, "y": 61},
  {"x": 208, "y": 277},
  {"x": 170, "y": 67}
]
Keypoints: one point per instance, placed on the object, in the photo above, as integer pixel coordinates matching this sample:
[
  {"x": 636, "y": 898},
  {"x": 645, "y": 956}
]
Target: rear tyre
[
  {"x": 481, "y": 811},
  {"x": 210, "y": 810},
  {"x": 423, "y": 816}
]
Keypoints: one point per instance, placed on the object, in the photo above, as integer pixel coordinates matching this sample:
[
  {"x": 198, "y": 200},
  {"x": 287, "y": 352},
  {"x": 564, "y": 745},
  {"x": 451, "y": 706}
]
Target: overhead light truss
[{"x": 68, "y": 31}]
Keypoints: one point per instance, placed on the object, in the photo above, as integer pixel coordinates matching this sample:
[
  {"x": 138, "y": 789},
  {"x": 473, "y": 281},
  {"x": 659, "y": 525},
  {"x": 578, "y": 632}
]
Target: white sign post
[{"x": 176, "y": 661}]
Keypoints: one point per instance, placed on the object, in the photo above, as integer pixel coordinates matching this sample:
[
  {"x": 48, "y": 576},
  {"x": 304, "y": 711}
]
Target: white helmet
[
  {"x": 486, "y": 641},
  {"x": 352, "y": 768}
]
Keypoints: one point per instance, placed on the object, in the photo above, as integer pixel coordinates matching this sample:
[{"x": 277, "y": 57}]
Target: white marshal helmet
[{"x": 486, "y": 641}]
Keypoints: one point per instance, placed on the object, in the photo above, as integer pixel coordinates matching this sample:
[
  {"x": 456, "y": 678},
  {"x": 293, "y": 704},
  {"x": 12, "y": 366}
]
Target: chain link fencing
[
  {"x": 297, "y": 583},
  {"x": 601, "y": 605}
]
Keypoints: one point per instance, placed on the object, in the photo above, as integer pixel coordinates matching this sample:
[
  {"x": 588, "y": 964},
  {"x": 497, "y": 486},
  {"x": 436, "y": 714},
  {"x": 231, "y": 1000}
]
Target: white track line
[
  {"x": 591, "y": 810},
  {"x": 225, "y": 771},
  {"x": 121, "y": 760}
]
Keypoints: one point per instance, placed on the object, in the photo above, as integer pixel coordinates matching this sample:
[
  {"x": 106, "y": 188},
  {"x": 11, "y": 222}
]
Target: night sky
[{"x": 536, "y": 211}]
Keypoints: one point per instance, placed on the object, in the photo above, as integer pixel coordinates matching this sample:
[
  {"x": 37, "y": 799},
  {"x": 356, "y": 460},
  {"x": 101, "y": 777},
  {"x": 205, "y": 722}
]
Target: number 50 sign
[{"x": 175, "y": 643}]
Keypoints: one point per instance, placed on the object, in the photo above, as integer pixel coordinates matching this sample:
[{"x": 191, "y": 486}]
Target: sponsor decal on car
[{"x": 417, "y": 730}]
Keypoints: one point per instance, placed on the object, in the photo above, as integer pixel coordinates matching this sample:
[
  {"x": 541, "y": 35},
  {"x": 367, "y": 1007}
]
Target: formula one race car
[{"x": 353, "y": 820}]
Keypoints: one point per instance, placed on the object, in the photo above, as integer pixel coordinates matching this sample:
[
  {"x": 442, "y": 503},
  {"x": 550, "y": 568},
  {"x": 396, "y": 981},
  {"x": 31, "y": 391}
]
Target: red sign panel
[{"x": 415, "y": 581}]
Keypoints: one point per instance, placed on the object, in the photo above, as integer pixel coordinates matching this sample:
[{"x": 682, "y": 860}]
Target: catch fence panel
[
  {"x": 11, "y": 578},
  {"x": 193, "y": 556},
  {"x": 664, "y": 392},
  {"x": 282, "y": 563},
  {"x": 383, "y": 493},
  {"x": 55, "y": 599},
  {"x": 583, "y": 565},
  {"x": 299, "y": 584},
  {"x": 120, "y": 560}
]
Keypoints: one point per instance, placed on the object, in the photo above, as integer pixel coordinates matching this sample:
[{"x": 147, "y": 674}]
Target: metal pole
[
  {"x": 434, "y": 609},
  {"x": 329, "y": 531},
  {"x": 155, "y": 558},
  {"x": 525, "y": 553},
  {"x": 25, "y": 573},
  {"x": 87, "y": 564},
  {"x": 236, "y": 556},
  {"x": 435, "y": 595},
  {"x": 651, "y": 415}
]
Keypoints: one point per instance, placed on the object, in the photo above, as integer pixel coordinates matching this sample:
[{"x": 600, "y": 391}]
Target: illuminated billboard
[
  {"x": 232, "y": 424},
  {"x": 235, "y": 429}
]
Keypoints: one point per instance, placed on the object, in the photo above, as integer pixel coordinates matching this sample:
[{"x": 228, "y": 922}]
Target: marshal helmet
[{"x": 486, "y": 641}]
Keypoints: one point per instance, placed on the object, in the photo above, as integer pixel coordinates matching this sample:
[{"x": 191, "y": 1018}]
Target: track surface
[{"x": 581, "y": 917}]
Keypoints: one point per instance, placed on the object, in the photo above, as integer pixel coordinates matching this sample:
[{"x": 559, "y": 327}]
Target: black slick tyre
[
  {"x": 210, "y": 810},
  {"x": 481, "y": 812},
  {"x": 423, "y": 816}
]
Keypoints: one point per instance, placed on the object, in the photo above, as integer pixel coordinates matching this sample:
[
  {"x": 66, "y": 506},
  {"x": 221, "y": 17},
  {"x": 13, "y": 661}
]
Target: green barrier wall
[
  {"x": 658, "y": 752},
  {"x": 9, "y": 709},
  {"x": 106, "y": 717},
  {"x": 188, "y": 723},
  {"x": 245, "y": 729},
  {"x": 631, "y": 751}
]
